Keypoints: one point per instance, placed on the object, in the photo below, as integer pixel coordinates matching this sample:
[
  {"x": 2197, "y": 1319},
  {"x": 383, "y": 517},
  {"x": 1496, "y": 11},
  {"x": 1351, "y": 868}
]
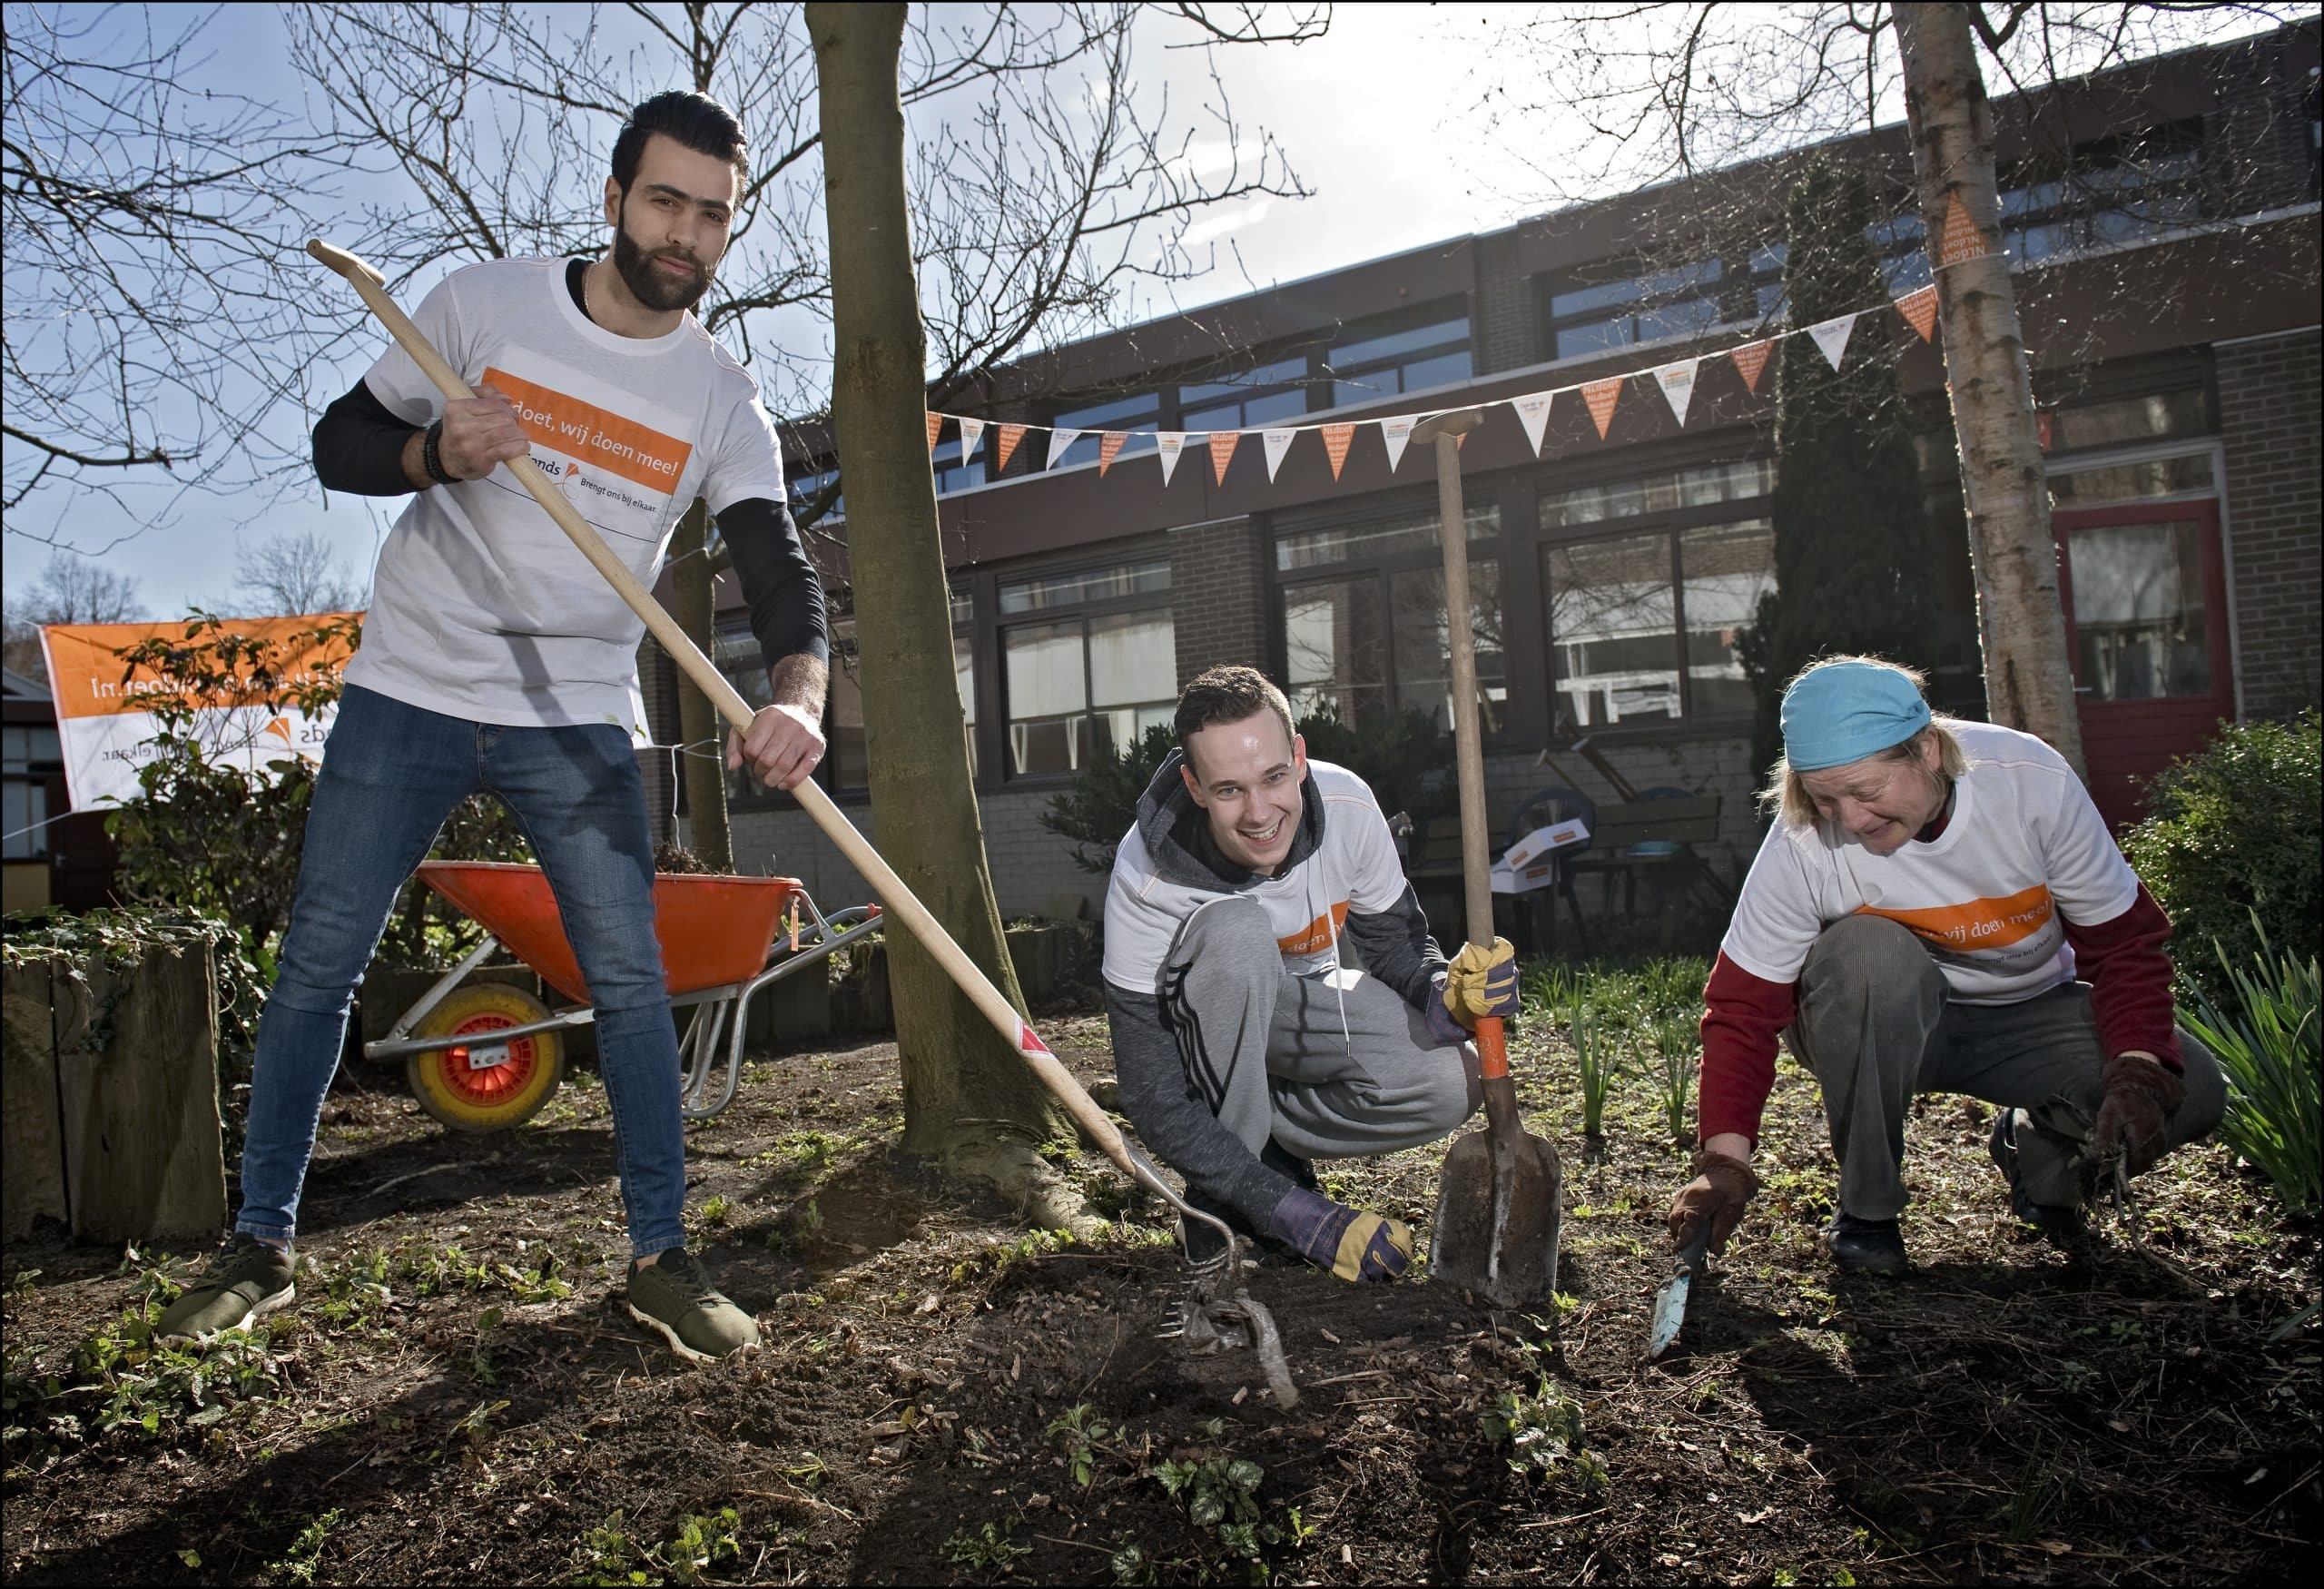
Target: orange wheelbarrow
[{"x": 485, "y": 1056}]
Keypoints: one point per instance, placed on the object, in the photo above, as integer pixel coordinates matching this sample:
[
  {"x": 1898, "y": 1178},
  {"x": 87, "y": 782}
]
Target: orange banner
[
  {"x": 1601, "y": 396},
  {"x": 1011, "y": 435},
  {"x": 1919, "y": 310},
  {"x": 935, "y": 424},
  {"x": 1335, "y": 444},
  {"x": 85, "y": 675},
  {"x": 592, "y": 435},
  {"x": 1962, "y": 239},
  {"x": 1750, "y": 359},
  {"x": 1222, "y": 447},
  {"x": 1109, "y": 446}
]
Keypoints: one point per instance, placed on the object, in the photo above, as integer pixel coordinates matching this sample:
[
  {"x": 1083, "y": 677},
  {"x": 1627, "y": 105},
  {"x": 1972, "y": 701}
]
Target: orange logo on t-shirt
[
  {"x": 1981, "y": 923},
  {"x": 1317, "y": 935},
  {"x": 587, "y": 433}
]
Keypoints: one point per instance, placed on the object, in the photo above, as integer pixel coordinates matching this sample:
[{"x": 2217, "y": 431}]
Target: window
[
  {"x": 33, "y": 755},
  {"x": 1264, "y": 396},
  {"x": 1725, "y": 570},
  {"x": 808, "y": 485},
  {"x": 952, "y": 474},
  {"x": 1613, "y": 629},
  {"x": 1141, "y": 415},
  {"x": 2138, "y": 611},
  {"x": 1593, "y": 317},
  {"x": 2132, "y": 482},
  {"x": 1360, "y": 639},
  {"x": 2127, "y": 420},
  {"x": 1379, "y": 359},
  {"x": 1692, "y": 487},
  {"x": 1096, "y": 669},
  {"x": 2115, "y": 191}
]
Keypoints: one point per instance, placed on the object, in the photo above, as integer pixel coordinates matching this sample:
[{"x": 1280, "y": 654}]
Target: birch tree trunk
[
  {"x": 967, "y": 1096},
  {"x": 702, "y": 767},
  {"x": 2029, "y": 678}
]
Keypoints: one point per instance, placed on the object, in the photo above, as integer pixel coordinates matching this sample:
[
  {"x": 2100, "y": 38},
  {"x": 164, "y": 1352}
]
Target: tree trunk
[
  {"x": 702, "y": 766},
  {"x": 2029, "y": 678},
  {"x": 967, "y": 1096}
]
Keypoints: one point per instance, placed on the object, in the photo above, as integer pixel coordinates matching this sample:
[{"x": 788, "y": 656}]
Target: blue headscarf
[{"x": 1845, "y": 711}]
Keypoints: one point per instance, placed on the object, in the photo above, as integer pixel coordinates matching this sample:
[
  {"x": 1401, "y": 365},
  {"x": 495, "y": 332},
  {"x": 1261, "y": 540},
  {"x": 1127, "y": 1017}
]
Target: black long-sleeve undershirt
[{"x": 359, "y": 449}]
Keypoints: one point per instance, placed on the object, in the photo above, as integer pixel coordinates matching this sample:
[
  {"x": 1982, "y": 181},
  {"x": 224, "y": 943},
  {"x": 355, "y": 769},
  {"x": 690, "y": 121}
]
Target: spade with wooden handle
[
  {"x": 1499, "y": 1205},
  {"x": 898, "y": 900}
]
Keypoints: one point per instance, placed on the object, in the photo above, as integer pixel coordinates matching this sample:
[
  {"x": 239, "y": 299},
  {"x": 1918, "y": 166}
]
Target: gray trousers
[
  {"x": 1336, "y": 1067},
  {"x": 1876, "y": 1026}
]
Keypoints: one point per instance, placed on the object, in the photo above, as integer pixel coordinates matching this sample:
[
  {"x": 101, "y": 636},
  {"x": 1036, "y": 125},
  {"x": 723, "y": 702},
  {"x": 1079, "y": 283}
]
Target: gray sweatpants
[
  {"x": 1336, "y": 1067},
  {"x": 1876, "y": 1026}
]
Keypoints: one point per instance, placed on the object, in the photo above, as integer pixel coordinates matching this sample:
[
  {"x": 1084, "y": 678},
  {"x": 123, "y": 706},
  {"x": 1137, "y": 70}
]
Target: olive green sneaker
[
  {"x": 242, "y": 1285},
  {"x": 673, "y": 1296}
]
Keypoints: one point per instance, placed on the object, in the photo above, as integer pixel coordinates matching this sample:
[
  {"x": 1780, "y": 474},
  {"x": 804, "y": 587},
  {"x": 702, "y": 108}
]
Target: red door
[{"x": 2146, "y": 622}]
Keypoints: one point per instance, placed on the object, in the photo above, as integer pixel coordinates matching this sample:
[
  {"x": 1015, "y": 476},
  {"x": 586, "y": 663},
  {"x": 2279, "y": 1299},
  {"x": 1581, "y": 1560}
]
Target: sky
[{"x": 1383, "y": 118}]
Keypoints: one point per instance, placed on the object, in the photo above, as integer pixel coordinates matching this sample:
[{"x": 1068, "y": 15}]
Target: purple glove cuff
[{"x": 1442, "y": 1030}]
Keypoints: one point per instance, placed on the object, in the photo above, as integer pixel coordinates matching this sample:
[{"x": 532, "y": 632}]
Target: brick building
[{"x": 2162, "y": 223}]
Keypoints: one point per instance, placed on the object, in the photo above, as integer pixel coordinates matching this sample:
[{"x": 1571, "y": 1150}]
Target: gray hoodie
[{"x": 1341, "y": 882}]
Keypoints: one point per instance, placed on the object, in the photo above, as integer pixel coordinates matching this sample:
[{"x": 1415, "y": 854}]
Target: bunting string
[{"x": 1676, "y": 380}]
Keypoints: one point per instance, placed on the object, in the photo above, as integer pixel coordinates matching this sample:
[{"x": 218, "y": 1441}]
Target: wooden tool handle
[{"x": 898, "y": 900}]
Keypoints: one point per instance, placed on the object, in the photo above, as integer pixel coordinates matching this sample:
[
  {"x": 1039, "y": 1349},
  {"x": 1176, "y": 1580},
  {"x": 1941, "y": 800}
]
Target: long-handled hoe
[{"x": 1219, "y": 1313}]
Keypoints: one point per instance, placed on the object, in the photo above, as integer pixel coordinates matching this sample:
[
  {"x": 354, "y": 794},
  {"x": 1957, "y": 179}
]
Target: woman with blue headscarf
[{"x": 1939, "y": 908}]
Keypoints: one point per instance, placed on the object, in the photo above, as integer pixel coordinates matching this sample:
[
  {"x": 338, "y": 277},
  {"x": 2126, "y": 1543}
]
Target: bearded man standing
[{"x": 495, "y": 660}]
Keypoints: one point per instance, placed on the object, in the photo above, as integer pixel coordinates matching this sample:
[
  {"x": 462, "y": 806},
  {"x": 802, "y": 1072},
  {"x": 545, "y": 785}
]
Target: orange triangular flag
[
  {"x": 1459, "y": 441},
  {"x": 1962, "y": 239},
  {"x": 1335, "y": 444},
  {"x": 1919, "y": 310},
  {"x": 1751, "y": 359},
  {"x": 1222, "y": 447},
  {"x": 1601, "y": 396},
  {"x": 1109, "y": 444},
  {"x": 1011, "y": 435},
  {"x": 935, "y": 423}
]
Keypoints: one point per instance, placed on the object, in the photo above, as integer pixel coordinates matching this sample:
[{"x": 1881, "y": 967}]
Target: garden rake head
[{"x": 1218, "y": 1314}]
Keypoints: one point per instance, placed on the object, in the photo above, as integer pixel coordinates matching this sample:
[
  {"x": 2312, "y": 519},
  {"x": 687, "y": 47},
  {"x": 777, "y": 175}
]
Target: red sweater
[{"x": 2123, "y": 961}]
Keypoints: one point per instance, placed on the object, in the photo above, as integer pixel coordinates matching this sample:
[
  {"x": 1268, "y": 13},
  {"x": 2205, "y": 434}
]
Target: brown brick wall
[
  {"x": 2268, "y": 423},
  {"x": 1218, "y": 595},
  {"x": 1501, "y": 333}
]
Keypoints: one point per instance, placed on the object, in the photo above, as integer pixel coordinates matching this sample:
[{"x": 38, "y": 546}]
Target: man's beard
[{"x": 649, "y": 284}]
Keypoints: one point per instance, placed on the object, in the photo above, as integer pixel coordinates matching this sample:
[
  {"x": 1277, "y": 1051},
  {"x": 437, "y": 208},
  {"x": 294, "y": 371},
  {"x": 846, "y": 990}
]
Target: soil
[{"x": 943, "y": 1398}]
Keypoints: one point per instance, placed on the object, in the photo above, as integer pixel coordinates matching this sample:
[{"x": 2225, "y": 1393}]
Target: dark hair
[
  {"x": 694, "y": 119},
  {"x": 1229, "y": 694}
]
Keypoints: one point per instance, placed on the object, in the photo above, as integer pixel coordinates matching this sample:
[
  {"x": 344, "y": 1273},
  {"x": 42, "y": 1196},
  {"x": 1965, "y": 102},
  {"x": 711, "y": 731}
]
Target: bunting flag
[
  {"x": 935, "y": 423},
  {"x": 1108, "y": 445},
  {"x": 1750, "y": 359},
  {"x": 1058, "y": 441},
  {"x": 1277, "y": 442},
  {"x": 1919, "y": 310},
  {"x": 1832, "y": 336},
  {"x": 1961, "y": 239},
  {"x": 1336, "y": 438},
  {"x": 1169, "y": 444},
  {"x": 1395, "y": 432},
  {"x": 1601, "y": 396},
  {"x": 1678, "y": 384},
  {"x": 1222, "y": 447},
  {"x": 1533, "y": 413},
  {"x": 1011, "y": 435},
  {"x": 971, "y": 432}
]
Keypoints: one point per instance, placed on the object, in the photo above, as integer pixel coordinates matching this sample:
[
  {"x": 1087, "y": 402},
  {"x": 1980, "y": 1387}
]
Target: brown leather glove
[
  {"x": 2141, "y": 1095},
  {"x": 1722, "y": 1185}
]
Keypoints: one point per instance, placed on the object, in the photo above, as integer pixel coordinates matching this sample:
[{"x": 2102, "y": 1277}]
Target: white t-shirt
[
  {"x": 2023, "y": 847},
  {"x": 1353, "y": 868},
  {"x": 481, "y": 608}
]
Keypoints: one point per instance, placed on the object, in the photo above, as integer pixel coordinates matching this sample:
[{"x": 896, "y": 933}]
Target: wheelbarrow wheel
[{"x": 481, "y": 1085}]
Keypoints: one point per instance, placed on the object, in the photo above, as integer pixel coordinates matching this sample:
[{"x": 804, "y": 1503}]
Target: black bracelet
[{"x": 431, "y": 458}]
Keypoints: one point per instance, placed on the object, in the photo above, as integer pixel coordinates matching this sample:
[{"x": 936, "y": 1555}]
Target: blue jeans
[{"x": 392, "y": 774}]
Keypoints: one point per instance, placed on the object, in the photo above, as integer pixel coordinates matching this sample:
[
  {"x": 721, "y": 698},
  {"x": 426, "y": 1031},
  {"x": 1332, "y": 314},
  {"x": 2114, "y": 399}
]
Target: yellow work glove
[{"x": 1482, "y": 980}]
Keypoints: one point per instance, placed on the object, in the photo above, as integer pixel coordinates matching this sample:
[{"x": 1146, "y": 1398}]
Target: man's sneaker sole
[
  {"x": 259, "y": 1309},
  {"x": 670, "y": 1335}
]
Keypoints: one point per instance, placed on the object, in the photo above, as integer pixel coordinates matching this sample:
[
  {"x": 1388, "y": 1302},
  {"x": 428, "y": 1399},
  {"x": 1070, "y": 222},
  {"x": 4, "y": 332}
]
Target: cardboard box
[{"x": 1531, "y": 861}]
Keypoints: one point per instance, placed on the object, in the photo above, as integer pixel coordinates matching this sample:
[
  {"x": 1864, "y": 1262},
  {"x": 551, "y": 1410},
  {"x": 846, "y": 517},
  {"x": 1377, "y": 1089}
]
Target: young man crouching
[{"x": 1245, "y": 1046}]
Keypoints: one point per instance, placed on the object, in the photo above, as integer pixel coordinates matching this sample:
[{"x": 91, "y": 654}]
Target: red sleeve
[
  {"x": 2129, "y": 974},
  {"x": 1743, "y": 1018}
]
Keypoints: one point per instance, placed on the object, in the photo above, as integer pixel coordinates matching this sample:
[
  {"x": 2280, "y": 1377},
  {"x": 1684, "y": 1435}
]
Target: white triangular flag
[
  {"x": 971, "y": 432},
  {"x": 1678, "y": 384},
  {"x": 1395, "y": 432},
  {"x": 1277, "y": 442},
  {"x": 1832, "y": 336},
  {"x": 1533, "y": 412},
  {"x": 1169, "y": 444},
  {"x": 1058, "y": 441}
]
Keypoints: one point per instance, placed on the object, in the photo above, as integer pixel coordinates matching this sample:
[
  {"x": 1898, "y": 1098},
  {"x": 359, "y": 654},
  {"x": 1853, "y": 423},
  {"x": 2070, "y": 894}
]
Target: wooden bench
[
  {"x": 1433, "y": 869},
  {"x": 1653, "y": 841}
]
